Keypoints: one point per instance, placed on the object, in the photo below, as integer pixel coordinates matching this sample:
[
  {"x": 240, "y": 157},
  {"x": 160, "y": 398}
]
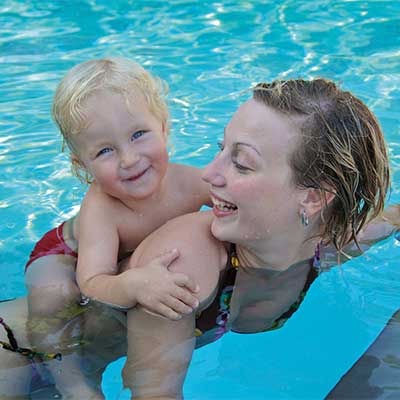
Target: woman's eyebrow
[{"x": 248, "y": 145}]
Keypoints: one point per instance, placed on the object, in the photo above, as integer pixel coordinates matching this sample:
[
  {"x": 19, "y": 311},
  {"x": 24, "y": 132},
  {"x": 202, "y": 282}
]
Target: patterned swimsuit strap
[
  {"x": 233, "y": 258},
  {"x": 12, "y": 345}
]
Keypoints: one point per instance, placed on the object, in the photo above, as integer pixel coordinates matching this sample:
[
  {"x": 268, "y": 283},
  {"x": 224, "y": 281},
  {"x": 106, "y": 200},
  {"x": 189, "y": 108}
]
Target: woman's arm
[
  {"x": 381, "y": 227},
  {"x": 374, "y": 231},
  {"x": 159, "y": 353},
  {"x": 159, "y": 350}
]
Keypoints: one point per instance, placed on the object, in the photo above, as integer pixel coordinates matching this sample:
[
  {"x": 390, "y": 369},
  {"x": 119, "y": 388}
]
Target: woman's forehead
[{"x": 257, "y": 122}]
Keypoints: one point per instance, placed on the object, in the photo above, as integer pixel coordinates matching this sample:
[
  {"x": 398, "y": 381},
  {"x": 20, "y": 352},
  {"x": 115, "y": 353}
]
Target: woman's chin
[{"x": 221, "y": 231}]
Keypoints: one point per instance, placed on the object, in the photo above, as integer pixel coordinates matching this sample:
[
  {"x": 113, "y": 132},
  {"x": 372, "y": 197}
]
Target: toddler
[{"x": 114, "y": 119}]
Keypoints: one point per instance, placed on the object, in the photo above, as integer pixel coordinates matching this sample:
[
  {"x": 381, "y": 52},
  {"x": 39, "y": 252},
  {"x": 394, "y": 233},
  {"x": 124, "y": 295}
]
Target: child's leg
[
  {"x": 15, "y": 370},
  {"x": 22, "y": 379},
  {"x": 55, "y": 321},
  {"x": 53, "y": 298}
]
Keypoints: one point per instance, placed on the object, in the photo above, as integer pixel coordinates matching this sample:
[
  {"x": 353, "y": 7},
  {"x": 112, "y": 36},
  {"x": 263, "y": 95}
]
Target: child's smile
[{"x": 123, "y": 149}]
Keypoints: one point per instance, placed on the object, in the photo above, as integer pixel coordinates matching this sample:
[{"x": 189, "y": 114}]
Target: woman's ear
[{"x": 316, "y": 199}]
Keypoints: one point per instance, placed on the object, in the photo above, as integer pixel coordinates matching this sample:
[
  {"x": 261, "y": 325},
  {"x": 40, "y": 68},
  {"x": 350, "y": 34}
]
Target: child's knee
[
  {"x": 52, "y": 269},
  {"x": 53, "y": 298}
]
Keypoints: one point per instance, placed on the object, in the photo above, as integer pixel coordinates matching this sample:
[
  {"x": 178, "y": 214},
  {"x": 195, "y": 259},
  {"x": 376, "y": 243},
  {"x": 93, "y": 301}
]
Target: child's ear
[
  {"x": 315, "y": 200},
  {"x": 75, "y": 161},
  {"x": 164, "y": 128}
]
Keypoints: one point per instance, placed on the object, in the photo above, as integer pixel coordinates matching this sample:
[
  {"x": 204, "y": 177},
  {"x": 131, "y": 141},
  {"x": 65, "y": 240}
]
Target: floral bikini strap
[
  {"x": 235, "y": 263},
  {"x": 12, "y": 345}
]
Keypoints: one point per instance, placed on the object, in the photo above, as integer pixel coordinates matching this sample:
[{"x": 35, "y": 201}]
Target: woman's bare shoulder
[
  {"x": 201, "y": 256},
  {"x": 182, "y": 231}
]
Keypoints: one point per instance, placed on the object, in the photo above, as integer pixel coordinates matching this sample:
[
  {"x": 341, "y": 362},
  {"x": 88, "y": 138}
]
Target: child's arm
[{"x": 153, "y": 286}]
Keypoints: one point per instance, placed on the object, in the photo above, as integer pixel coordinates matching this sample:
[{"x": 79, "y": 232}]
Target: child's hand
[{"x": 162, "y": 292}]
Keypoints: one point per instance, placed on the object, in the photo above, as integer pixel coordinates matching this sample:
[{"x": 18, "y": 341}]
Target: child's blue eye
[
  {"x": 104, "y": 151},
  {"x": 137, "y": 134}
]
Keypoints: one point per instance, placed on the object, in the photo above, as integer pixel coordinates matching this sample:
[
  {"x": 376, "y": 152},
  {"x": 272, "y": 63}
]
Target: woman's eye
[
  {"x": 220, "y": 145},
  {"x": 240, "y": 167},
  {"x": 104, "y": 151},
  {"x": 137, "y": 134}
]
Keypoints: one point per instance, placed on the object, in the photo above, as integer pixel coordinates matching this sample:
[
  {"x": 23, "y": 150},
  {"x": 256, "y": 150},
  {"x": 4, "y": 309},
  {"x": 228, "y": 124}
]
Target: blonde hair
[
  {"x": 342, "y": 150},
  {"x": 117, "y": 75}
]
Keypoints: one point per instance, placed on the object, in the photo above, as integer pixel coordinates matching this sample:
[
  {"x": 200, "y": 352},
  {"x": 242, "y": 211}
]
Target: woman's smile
[{"x": 222, "y": 208}]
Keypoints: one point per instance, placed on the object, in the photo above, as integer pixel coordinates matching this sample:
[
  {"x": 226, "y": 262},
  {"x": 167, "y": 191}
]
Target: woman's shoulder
[
  {"x": 197, "y": 221},
  {"x": 190, "y": 233},
  {"x": 201, "y": 256}
]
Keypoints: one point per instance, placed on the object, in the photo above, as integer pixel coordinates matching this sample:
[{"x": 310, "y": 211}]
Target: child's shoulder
[
  {"x": 174, "y": 168},
  {"x": 184, "y": 175},
  {"x": 95, "y": 197},
  {"x": 188, "y": 181}
]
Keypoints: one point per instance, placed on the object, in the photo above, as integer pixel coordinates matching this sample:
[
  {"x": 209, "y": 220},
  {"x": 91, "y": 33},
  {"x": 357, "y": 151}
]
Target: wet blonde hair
[
  {"x": 342, "y": 150},
  {"x": 117, "y": 75}
]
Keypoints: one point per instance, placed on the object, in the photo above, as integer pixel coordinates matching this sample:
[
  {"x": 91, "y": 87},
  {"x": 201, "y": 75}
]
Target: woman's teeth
[{"x": 223, "y": 205}]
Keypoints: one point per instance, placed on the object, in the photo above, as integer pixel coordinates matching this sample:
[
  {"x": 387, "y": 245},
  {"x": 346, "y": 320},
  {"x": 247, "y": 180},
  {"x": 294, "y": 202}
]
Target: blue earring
[{"x": 304, "y": 217}]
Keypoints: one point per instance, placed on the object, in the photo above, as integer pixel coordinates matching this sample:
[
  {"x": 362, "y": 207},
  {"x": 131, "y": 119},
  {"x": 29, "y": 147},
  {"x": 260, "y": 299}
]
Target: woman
[{"x": 302, "y": 167}]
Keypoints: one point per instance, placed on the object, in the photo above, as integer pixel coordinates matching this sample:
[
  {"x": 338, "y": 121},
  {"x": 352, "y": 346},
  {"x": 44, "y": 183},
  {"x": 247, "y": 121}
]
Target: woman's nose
[{"x": 212, "y": 174}]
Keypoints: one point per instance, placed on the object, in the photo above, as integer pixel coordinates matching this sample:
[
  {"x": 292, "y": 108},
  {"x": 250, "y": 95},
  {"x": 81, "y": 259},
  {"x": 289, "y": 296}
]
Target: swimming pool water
[{"x": 208, "y": 52}]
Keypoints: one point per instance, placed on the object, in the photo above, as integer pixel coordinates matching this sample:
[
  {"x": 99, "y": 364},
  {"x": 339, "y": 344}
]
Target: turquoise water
[{"x": 208, "y": 52}]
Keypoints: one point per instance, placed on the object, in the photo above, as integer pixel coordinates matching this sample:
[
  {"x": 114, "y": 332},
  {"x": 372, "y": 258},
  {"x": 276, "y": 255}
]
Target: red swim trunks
[{"x": 51, "y": 243}]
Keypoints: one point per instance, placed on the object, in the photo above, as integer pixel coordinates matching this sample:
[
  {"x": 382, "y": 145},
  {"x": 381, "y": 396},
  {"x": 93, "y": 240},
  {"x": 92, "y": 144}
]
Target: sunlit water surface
[{"x": 208, "y": 52}]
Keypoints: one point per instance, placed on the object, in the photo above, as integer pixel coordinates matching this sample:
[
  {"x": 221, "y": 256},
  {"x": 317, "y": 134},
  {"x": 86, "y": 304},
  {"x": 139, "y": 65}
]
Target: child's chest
[{"x": 133, "y": 227}]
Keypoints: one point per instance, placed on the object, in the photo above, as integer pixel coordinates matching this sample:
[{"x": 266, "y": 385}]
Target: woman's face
[{"x": 251, "y": 181}]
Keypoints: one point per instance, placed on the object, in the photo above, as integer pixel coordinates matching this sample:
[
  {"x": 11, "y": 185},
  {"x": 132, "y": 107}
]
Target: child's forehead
[
  {"x": 128, "y": 102},
  {"x": 109, "y": 105},
  {"x": 108, "y": 98}
]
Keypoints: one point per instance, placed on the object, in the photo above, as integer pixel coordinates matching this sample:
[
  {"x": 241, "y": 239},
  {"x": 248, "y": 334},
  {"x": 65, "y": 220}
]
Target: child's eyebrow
[{"x": 137, "y": 125}]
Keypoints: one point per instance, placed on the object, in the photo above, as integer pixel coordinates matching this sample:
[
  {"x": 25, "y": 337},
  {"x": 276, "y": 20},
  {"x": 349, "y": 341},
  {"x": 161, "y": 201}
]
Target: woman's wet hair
[{"x": 341, "y": 150}]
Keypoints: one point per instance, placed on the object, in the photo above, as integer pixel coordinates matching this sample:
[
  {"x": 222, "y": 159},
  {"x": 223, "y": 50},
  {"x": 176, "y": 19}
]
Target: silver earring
[{"x": 304, "y": 217}]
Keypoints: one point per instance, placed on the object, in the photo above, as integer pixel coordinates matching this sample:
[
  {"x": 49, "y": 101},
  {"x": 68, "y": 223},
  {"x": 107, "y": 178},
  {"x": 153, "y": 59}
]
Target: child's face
[{"x": 124, "y": 151}]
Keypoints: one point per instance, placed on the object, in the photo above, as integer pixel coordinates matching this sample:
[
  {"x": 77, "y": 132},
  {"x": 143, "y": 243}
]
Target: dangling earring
[{"x": 304, "y": 217}]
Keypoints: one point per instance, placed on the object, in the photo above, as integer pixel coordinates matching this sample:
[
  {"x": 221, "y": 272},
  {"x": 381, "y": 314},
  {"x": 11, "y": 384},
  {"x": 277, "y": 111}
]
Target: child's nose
[{"x": 128, "y": 158}]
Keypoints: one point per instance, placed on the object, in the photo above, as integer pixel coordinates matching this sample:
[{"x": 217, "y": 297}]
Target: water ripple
[{"x": 209, "y": 53}]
